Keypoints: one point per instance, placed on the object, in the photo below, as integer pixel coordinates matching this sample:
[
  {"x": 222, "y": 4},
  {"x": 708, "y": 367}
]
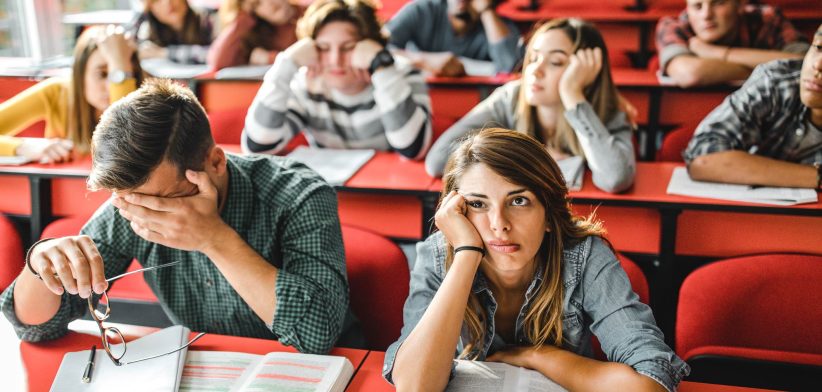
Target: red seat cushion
[{"x": 11, "y": 252}]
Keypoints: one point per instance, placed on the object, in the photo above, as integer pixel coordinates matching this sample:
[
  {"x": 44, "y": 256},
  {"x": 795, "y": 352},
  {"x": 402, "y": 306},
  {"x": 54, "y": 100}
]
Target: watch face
[{"x": 117, "y": 76}]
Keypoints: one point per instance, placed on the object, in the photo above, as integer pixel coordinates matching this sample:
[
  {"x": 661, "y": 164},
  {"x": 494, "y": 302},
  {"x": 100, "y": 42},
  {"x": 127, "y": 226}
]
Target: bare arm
[
  {"x": 692, "y": 71},
  {"x": 740, "y": 167},
  {"x": 753, "y": 57}
]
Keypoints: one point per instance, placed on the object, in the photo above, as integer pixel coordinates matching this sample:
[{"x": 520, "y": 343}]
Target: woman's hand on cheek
[
  {"x": 116, "y": 47},
  {"x": 303, "y": 53},
  {"x": 451, "y": 219},
  {"x": 583, "y": 68},
  {"x": 364, "y": 53}
]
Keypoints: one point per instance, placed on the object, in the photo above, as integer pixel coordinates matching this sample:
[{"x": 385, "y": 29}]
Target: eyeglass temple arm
[
  {"x": 143, "y": 270},
  {"x": 170, "y": 352}
]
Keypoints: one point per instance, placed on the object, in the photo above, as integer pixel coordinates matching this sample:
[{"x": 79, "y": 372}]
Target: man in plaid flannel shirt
[
  {"x": 258, "y": 237},
  {"x": 719, "y": 41}
]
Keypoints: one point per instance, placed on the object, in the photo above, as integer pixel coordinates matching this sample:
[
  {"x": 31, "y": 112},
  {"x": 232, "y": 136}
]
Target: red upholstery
[
  {"x": 378, "y": 278},
  {"x": 133, "y": 287},
  {"x": 674, "y": 144},
  {"x": 227, "y": 128},
  {"x": 759, "y": 307},
  {"x": 640, "y": 286},
  {"x": 11, "y": 252}
]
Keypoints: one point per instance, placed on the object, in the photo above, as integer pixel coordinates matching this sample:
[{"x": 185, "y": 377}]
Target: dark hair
[
  {"x": 196, "y": 28},
  {"x": 361, "y": 13},
  {"x": 160, "y": 121}
]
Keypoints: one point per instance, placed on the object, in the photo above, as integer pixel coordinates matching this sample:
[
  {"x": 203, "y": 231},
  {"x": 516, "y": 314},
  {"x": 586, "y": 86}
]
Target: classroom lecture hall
[{"x": 534, "y": 195}]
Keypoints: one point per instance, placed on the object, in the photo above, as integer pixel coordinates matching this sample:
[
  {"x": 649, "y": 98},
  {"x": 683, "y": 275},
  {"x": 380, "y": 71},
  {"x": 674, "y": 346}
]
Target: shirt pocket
[{"x": 572, "y": 330}]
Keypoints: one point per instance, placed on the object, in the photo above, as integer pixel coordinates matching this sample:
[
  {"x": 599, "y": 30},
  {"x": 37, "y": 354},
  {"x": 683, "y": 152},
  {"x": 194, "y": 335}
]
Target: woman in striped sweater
[{"x": 340, "y": 85}]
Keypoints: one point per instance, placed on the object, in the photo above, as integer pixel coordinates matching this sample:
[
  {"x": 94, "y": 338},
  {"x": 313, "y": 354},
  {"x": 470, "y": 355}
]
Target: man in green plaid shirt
[{"x": 258, "y": 237}]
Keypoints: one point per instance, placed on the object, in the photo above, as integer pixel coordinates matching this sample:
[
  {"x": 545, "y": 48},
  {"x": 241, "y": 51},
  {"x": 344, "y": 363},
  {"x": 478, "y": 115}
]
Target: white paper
[
  {"x": 573, "y": 170},
  {"x": 289, "y": 371},
  {"x": 165, "y": 68},
  {"x": 475, "y": 376},
  {"x": 335, "y": 166},
  {"x": 478, "y": 67},
  {"x": 253, "y": 72},
  {"x": 216, "y": 371},
  {"x": 15, "y": 160},
  {"x": 158, "y": 374},
  {"x": 682, "y": 184}
]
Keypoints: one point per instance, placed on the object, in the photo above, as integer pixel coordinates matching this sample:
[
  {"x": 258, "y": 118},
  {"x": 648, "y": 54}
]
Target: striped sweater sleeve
[
  {"x": 402, "y": 97},
  {"x": 275, "y": 116}
]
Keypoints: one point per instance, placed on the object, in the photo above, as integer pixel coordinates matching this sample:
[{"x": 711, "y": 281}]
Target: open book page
[
  {"x": 158, "y": 374},
  {"x": 292, "y": 372},
  {"x": 476, "y": 376},
  {"x": 216, "y": 371},
  {"x": 682, "y": 184},
  {"x": 573, "y": 170},
  {"x": 335, "y": 166}
]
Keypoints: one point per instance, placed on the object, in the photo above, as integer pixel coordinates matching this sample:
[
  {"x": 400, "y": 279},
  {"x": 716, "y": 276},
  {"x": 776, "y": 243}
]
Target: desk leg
[
  {"x": 429, "y": 208},
  {"x": 40, "y": 205},
  {"x": 665, "y": 290},
  {"x": 648, "y": 145}
]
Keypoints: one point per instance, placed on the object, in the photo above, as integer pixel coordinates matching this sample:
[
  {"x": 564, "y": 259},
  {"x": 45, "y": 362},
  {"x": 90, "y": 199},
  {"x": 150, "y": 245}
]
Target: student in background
[
  {"x": 440, "y": 30},
  {"x": 769, "y": 132},
  {"x": 340, "y": 85},
  {"x": 514, "y": 276},
  {"x": 105, "y": 69},
  {"x": 254, "y": 32},
  {"x": 259, "y": 237},
  {"x": 718, "y": 41},
  {"x": 173, "y": 30},
  {"x": 566, "y": 99}
]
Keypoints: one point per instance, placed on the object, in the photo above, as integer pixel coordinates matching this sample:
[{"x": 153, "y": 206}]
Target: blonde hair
[
  {"x": 601, "y": 93},
  {"x": 522, "y": 160},
  {"x": 81, "y": 117},
  {"x": 361, "y": 13}
]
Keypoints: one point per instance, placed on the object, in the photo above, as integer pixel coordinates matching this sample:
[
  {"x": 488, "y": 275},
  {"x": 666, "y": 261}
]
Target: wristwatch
[
  {"x": 818, "y": 167},
  {"x": 118, "y": 76},
  {"x": 382, "y": 59}
]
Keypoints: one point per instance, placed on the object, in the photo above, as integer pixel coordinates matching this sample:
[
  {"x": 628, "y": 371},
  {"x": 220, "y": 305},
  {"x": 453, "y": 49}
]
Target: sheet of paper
[
  {"x": 298, "y": 372},
  {"x": 476, "y": 376},
  {"x": 478, "y": 67},
  {"x": 215, "y": 371},
  {"x": 252, "y": 72},
  {"x": 682, "y": 184},
  {"x": 165, "y": 68},
  {"x": 335, "y": 166},
  {"x": 14, "y": 160}
]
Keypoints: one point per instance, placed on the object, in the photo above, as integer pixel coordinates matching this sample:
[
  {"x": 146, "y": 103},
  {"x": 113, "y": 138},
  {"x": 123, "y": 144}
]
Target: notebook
[
  {"x": 682, "y": 184},
  {"x": 334, "y": 165},
  {"x": 475, "y": 376},
  {"x": 14, "y": 160},
  {"x": 573, "y": 170},
  {"x": 201, "y": 370}
]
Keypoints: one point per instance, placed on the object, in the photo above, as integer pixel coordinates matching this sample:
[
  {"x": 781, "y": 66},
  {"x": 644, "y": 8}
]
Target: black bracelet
[
  {"x": 468, "y": 247},
  {"x": 28, "y": 255}
]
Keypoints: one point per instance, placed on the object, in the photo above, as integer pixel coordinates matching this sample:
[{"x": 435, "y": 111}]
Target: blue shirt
[{"x": 597, "y": 299}]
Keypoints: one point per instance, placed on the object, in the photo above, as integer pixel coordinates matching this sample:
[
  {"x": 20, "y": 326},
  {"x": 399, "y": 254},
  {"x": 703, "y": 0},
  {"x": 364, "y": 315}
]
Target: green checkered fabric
[{"x": 283, "y": 210}]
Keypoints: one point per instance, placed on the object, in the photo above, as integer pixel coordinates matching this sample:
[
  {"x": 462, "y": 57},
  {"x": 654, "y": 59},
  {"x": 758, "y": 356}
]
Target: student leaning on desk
[
  {"x": 513, "y": 276},
  {"x": 258, "y": 237},
  {"x": 105, "y": 69}
]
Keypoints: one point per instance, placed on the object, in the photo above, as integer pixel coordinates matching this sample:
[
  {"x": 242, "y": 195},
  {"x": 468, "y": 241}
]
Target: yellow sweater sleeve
[
  {"x": 46, "y": 100},
  {"x": 117, "y": 91}
]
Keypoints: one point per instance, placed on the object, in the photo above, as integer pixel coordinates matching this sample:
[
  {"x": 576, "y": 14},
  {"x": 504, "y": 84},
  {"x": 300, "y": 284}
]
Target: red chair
[
  {"x": 673, "y": 144},
  {"x": 227, "y": 128},
  {"x": 640, "y": 286},
  {"x": 378, "y": 278},
  {"x": 11, "y": 252},
  {"x": 131, "y": 288},
  {"x": 753, "y": 321}
]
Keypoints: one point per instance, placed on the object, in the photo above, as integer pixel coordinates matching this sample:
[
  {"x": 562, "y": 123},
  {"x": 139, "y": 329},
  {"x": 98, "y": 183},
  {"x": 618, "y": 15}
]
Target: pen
[{"x": 89, "y": 365}]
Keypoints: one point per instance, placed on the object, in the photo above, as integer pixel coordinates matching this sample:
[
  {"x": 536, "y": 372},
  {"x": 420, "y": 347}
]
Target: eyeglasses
[{"x": 113, "y": 342}]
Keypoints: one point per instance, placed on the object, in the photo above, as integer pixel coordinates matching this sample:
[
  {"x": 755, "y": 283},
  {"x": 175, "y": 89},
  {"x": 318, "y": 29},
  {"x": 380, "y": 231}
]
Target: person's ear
[{"x": 216, "y": 160}]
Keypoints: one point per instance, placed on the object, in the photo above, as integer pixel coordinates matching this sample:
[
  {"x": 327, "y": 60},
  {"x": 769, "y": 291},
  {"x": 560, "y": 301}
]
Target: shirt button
[
  {"x": 799, "y": 132},
  {"x": 209, "y": 282}
]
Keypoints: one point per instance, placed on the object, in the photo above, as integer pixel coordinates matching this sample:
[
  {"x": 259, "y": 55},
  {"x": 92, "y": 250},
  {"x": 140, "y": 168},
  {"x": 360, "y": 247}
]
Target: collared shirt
[
  {"x": 597, "y": 298},
  {"x": 765, "y": 116},
  {"x": 761, "y": 27},
  {"x": 285, "y": 212},
  {"x": 424, "y": 25}
]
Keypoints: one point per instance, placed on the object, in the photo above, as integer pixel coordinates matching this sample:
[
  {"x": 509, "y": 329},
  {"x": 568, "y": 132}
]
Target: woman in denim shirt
[{"x": 527, "y": 282}]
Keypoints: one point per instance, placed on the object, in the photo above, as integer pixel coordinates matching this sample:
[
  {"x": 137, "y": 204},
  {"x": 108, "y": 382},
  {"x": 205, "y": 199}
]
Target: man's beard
[{"x": 464, "y": 16}]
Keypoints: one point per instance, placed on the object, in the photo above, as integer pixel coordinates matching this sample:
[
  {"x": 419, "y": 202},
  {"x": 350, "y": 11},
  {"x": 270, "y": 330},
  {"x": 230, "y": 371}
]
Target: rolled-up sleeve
[
  {"x": 624, "y": 325},
  {"x": 312, "y": 287}
]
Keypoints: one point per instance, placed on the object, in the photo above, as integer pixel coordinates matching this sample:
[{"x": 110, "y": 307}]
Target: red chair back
[
  {"x": 674, "y": 144},
  {"x": 378, "y": 278},
  {"x": 11, "y": 252}
]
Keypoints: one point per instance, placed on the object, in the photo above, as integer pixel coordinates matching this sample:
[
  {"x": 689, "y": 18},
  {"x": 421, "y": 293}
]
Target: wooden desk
[
  {"x": 369, "y": 378},
  {"x": 38, "y": 362}
]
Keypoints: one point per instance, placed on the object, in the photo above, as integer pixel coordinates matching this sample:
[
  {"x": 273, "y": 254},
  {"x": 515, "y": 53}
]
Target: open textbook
[
  {"x": 573, "y": 170},
  {"x": 475, "y": 376},
  {"x": 682, "y": 184},
  {"x": 211, "y": 371},
  {"x": 336, "y": 166},
  {"x": 216, "y": 371}
]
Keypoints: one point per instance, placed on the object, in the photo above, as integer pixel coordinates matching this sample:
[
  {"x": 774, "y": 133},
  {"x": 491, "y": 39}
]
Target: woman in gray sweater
[{"x": 566, "y": 99}]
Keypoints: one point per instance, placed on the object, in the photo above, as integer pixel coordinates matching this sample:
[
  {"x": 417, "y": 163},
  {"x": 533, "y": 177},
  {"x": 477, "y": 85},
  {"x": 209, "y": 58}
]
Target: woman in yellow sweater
[{"x": 105, "y": 69}]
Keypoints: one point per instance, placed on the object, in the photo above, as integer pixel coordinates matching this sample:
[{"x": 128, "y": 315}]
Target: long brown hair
[
  {"x": 164, "y": 35},
  {"x": 261, "y": 35},
  {"x": 522, "y": 160},
  {"x": 360, "y": 13},
  {"x": 601, "y": 93},
  {"x": 81, "y": 116}
]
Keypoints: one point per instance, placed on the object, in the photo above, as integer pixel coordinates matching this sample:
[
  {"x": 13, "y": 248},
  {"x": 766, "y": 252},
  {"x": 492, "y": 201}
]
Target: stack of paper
[
  {"x": 335, "y": 166},
  {"x": 682, "y": 184}
]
